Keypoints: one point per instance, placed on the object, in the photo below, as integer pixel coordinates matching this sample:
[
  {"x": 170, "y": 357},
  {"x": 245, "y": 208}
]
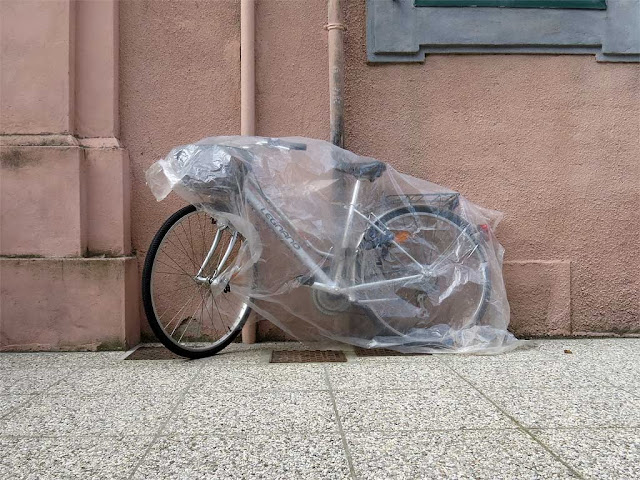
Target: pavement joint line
[
  {"x": 617, "y": 387},
  {"x": 7, "y": 415},
  {"x": 345, "y": 445},
  {"x": 522, "y": 428},
  {"x": 109, "y": 394},
  {"x": 34, "y": 396},
  {"x": 267, "y": 390},
  {"x": 164, "y": 424}
]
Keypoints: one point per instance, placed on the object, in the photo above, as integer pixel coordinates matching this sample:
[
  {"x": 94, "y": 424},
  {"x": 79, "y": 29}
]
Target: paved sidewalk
[{"x": 531, "y": 414}]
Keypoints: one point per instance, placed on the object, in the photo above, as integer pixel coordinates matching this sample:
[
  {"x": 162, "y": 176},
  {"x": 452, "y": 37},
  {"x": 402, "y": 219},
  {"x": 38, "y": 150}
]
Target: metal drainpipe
[
  {"x": 335, "y": 33},
  {"x": 336, "y": 29},
  {"x": 247, "y": 101}
]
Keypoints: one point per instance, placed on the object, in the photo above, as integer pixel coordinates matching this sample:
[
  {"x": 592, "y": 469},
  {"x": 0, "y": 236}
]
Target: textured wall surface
[
  {"x": 55, "y": 301},
  {"x": 552, "y": 141},
  {"x": 46, "y": 105}
]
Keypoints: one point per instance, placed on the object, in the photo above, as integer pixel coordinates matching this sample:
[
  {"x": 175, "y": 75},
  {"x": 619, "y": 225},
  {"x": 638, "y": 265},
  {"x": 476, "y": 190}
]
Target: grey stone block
[{"x": 397, "y": 31}]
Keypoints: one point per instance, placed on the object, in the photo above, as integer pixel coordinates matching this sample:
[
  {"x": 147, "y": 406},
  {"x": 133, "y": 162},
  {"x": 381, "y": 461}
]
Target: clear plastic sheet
[{"x": 342, "y": 247}]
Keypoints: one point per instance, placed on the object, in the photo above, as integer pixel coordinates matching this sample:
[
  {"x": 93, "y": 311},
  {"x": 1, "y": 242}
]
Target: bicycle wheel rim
[{"x": 199, "y": 322}]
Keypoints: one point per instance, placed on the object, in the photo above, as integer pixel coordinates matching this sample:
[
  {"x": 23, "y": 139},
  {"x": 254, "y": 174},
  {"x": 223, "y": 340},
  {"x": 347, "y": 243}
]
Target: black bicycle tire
[
  {"x": 148, "y": 303},
  {"x": 457, "y": 220}
]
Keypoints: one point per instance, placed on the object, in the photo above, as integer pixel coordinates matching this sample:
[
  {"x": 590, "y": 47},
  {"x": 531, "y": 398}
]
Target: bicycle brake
[{"x": 376, "y": 239}]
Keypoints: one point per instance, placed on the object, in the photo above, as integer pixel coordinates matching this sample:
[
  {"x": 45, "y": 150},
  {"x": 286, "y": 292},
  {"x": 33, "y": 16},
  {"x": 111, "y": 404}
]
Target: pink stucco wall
[
  {"x": 553, "y": 141},
  {"x": 68, "y": 303},
  {"x": 64, "y": 181}
]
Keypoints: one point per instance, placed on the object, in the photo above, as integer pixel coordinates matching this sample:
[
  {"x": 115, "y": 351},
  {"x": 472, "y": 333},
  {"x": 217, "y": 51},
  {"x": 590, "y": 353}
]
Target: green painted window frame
[{"x": 577, "y": 4}]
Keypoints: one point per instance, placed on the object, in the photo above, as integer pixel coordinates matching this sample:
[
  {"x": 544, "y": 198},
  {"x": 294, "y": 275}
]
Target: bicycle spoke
[
  {"x": 176, "y": 263},
  {"x": 192, "y": 258},
  {"x": 219, "y": 314},
  {"x": 202, "y": 234},
  {"x": 174, "y": 273},
  {"x": 209, "y": 312},
  {"x": 172, "y": 291},
  {"x": 177, "y": 314},
  {"x": 193, "y": 250},
  {"x": 189, "y": 322}
]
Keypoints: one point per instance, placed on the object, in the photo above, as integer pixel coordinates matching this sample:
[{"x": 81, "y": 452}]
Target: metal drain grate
[
  {"x": 152, "y": 353},
  {"x": 383, "y": 352},
  {"x": 307, "y": 356}
]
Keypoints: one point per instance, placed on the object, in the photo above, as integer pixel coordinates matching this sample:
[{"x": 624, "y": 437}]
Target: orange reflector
[{"x": 402, "y": 236}]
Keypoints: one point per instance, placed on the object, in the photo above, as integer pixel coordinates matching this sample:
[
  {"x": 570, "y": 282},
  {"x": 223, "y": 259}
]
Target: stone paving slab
[
  {"x": 407, "y": 410},
  {"x": 240, "y": 457},
  {"x": 624, "y": 374},
  {"x": 89, "y": 415},
  {"x": 597, "y": 453},
  {"x": 596, "y": 349},
  {"x": 28, "y": 381},
  {"x": 534, "y": 374},
  {"x": 26, "y": 361},
  {"x": 70, "y": 457},
  {"x": 125, "y": 378},
  {"x": 392, "y": 376},
  {"x": 8, "y": 403},
  {"x": 250, "y": 378},
  {"x": 569, "y": 408},
  {"x": 534, "y": 413},
  {"x": 257, "y": 412},
  {"x": 478, "y": 454}
]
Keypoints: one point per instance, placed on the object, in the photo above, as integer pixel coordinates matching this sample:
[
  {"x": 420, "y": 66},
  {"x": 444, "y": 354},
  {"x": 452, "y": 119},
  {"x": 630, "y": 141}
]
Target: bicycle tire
[{"x": 147, "y": 297}]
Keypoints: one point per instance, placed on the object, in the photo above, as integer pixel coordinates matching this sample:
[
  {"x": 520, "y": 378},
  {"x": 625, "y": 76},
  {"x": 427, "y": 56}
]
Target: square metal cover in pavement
[
  {"x": 307, "y": 356},
  {"x": 382, "y": 352},
  {"x": 153, "y": 353}
]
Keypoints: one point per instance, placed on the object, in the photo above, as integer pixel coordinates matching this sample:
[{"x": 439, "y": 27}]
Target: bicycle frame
[{"x": 282, "y": 226}]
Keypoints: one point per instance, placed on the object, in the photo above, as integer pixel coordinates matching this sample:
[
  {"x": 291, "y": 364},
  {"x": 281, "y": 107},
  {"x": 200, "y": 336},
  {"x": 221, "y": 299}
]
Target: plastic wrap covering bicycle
[{"x": 323, "y": 243}]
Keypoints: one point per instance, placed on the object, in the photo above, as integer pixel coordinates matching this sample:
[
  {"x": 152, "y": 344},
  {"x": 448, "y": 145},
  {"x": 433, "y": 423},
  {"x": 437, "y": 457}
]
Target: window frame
[
  {"x": 400, "y": 32},
  {"x": 564, "y": 4}
]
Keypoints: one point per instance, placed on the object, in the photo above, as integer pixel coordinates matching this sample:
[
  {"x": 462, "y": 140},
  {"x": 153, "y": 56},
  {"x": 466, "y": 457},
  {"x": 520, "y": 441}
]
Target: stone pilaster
[{"x": 68, "y": 279}]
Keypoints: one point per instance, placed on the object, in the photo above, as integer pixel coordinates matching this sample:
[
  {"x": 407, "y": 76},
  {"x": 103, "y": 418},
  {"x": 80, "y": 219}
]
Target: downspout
[
  {"x": 336, "y": 28},
  {"x": 247, "y": 101}
]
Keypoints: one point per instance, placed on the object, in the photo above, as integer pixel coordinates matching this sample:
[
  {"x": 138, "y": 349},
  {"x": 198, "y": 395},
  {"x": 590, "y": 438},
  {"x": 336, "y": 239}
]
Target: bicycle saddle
[{"x": 368, "y": 170}]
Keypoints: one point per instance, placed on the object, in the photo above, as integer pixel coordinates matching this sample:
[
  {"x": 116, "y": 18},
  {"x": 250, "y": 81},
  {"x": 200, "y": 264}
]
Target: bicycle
[{"x": 394, "y": 271}]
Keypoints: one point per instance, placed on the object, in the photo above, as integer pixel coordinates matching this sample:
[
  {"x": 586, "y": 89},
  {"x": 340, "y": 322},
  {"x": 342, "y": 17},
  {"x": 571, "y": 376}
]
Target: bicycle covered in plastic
[{"x": 323, "y": 243}]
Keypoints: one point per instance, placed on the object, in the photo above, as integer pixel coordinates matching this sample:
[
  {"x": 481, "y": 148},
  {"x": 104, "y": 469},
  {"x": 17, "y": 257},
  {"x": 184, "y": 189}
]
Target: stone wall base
[{"x": 69, "y": 304}]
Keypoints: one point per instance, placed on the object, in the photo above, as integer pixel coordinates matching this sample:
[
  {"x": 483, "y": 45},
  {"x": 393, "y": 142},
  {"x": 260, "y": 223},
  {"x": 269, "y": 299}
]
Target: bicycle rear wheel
[
  {"x": 458, "y": 291},
  {"x": 183, "y": 312}
]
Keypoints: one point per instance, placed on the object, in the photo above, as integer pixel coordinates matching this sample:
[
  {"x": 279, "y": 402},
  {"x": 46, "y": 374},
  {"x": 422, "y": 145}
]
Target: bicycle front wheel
[{"x": 183, "y": 312}]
